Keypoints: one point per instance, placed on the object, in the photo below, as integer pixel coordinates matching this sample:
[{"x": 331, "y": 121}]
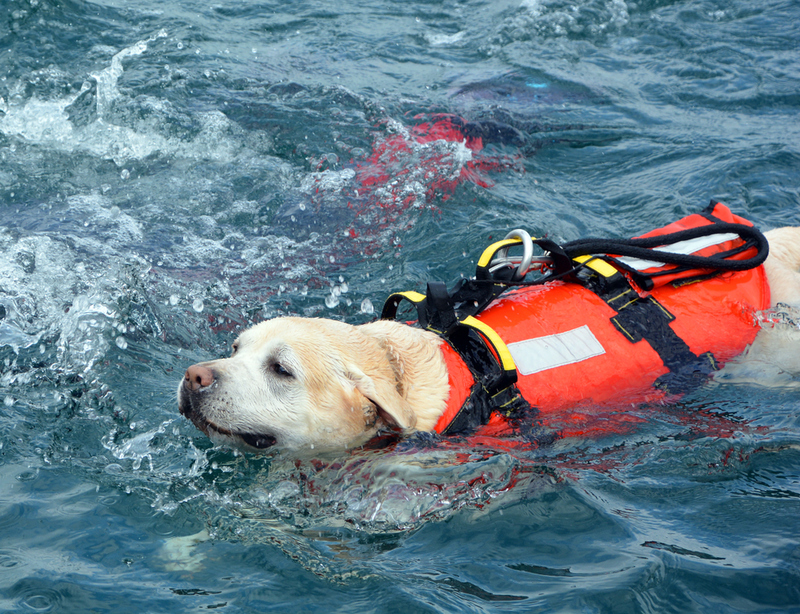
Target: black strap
[
  {"x": 645, "y": 319},
  {"x": 494, "y": 388}
]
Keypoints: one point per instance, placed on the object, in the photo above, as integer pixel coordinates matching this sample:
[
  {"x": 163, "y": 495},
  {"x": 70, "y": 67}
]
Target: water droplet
[
  {"x": 9, "y": 401},
  {"x": 125, "y": 174},
  {"x": 366, "y": 307},
  {"x": 173, "y": 299},
  {"x": 331, "y": 300},
  {"x": 198, "y": 305},
  {"x": 121, "y": 342}
]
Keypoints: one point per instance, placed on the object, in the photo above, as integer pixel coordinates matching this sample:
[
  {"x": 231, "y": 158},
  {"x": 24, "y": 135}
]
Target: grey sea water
[{"x": 173, "y": 171}]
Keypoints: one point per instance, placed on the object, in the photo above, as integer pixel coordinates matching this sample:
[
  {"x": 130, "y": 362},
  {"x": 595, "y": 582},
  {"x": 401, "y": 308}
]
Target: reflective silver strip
[
  {"x": 690, "y": 246},
  {"x": 542, "y": 353}
]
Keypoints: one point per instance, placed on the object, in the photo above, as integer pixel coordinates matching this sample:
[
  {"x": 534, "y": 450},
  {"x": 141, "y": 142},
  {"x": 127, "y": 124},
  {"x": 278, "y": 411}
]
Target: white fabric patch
[
  {"x": 542, "y": 353},
  {"x": 687, "y": 247}
]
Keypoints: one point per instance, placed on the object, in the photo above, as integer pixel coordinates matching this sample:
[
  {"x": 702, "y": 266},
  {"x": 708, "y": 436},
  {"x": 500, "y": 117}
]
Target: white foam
[
  {"x": 52, "y": 295},
  {"x": 328, "y": 180},
  {"x": 47, "y": 122},
  {"x": 107, "y": 78},
  {"x": 444, "y": 40}
]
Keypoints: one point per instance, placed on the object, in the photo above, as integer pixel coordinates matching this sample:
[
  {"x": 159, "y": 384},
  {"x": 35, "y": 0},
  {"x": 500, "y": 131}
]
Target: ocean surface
[{"x": 173, "y": 171}]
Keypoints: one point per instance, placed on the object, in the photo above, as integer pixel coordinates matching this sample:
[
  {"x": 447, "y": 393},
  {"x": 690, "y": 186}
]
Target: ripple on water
[{"x": 40, "y": 595}]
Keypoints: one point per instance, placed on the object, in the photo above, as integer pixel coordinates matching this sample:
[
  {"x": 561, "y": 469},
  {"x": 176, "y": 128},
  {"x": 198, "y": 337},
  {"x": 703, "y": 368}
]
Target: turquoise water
[{"x": 172, "y": 171}]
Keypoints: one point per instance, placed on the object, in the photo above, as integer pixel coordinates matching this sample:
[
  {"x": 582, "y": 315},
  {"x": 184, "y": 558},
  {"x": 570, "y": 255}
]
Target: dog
[{"x": 313, "y": 384}]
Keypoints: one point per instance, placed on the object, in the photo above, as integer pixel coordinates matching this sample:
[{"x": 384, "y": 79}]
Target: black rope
[{"x": 644, "y": 248}]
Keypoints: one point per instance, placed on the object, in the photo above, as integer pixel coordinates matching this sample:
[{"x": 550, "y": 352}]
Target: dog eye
[{"x": 281, "y": 370}]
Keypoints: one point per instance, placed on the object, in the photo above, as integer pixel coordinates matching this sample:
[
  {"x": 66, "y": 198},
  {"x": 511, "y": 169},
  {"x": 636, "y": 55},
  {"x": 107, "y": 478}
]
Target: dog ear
[{"x": 393, "y": 408}]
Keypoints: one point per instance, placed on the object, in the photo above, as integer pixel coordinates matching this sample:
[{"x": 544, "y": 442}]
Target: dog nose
[{"x": 198, "y": 376}]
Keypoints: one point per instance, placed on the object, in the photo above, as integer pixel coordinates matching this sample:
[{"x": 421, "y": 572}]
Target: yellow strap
[
  {"x": 489, "y": 252},
  {"x": 499, "y": 345},
  {"x": 597, "y": 264},
  {"x": 391, "y": 304},
  {"x": 414, "y": 297}
]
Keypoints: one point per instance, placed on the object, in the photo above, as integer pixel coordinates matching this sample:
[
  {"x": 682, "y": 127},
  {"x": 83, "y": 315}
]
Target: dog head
[{"x": 296, "y": 383}]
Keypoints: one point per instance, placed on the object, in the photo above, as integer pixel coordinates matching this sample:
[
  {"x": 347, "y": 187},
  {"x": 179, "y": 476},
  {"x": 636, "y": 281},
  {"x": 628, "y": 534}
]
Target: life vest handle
[
  {"x": 496, "y": 257},
  {"x": 496, "y": 265}
]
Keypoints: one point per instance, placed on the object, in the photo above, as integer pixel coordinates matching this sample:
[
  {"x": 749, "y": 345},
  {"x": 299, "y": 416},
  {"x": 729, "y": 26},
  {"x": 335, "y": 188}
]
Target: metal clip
[{"x": 523, "y": 264}]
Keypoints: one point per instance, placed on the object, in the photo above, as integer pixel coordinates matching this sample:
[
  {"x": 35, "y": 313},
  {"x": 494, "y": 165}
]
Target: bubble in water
[
  {"x": 366, "y": 307},
  {"x": 121, "y": 342},
  {"x": 331, "y": 300},
  {"x": 173, "y": 299},
  {"x": 198, "y": 305}
]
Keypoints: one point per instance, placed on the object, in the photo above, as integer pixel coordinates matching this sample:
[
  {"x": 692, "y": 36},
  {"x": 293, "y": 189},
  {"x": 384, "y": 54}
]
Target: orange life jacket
[{"x": 605, "y": 342}]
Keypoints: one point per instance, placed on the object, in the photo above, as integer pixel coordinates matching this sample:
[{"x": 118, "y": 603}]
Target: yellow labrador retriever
[{"x": 303, "y": 383}]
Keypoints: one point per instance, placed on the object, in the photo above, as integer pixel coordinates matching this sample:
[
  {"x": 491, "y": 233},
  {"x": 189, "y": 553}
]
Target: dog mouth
[
  {"x": 262, "y": 442},
  {"x": 259, "y": 441}
]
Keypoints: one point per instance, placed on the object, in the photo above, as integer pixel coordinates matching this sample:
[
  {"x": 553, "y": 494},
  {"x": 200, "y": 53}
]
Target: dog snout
[{"x": 197, "y": 377}]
